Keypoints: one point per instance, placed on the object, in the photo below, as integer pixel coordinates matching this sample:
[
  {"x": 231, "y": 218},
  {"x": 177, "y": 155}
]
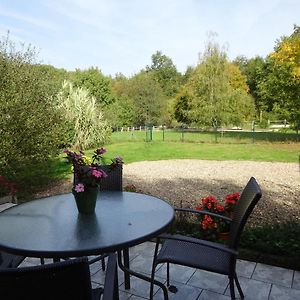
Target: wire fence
[{"x": 160, "y": 133}]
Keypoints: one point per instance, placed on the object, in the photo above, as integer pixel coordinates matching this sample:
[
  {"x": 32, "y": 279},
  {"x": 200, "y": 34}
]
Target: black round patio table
[{"x": 52, "y": 227}]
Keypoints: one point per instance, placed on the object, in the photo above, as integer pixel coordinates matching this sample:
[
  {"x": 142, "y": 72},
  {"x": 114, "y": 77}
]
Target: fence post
[{"x": 253, "y": 132}]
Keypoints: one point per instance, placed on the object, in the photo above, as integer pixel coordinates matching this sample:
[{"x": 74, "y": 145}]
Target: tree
[
  {"x": 165, "y": 72},
  {"x": 95, "y": 82},
  {"x": 254, "y": 70},
  {"x": 147, "y": 98},
  {"x": 182, "y": 106},
  {"x": 217, "y": 92},
  {"x": 279, "y": 88}
]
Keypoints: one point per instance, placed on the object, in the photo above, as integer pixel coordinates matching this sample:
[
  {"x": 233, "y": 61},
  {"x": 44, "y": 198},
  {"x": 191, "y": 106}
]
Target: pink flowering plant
[
  {"x": 87, "y": 171},
  {"x": 212, "y": 224}
]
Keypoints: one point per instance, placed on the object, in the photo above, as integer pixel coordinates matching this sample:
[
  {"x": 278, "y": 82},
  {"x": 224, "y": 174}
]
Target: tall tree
[
  {"x": 254, "y": 70},
  {"x": 217, "y": 91},
  {"x": 165, "y": 72},
  {"x": 148, "y": 99},
  {"x": 279, "y": 88}
]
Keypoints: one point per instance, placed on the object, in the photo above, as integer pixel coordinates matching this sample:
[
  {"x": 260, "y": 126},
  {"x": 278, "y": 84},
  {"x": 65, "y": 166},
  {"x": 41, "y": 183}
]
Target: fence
[{"x": 237, "y": 135}]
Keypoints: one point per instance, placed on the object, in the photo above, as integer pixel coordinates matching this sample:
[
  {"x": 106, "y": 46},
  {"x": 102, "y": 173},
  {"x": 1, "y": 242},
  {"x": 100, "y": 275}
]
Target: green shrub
[
  {"x": 86, "y": 127},
  {"x": 31, "y": 125}
]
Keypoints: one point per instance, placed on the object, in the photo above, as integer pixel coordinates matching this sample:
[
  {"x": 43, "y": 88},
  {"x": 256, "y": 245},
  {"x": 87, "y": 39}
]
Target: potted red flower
[{"x": 212, "y": 225}]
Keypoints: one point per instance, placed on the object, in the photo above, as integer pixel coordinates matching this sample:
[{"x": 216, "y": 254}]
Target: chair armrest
[
  {"x": 209, "y": 244},
  {"x": 203, "y": 212}
]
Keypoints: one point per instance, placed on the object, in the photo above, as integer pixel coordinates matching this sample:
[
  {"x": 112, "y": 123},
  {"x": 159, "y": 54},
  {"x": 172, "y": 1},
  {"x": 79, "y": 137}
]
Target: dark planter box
[{"x": 114, "y": 180}]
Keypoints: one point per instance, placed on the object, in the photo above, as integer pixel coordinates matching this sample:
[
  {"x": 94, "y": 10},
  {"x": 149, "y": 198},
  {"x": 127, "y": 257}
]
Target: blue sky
[{"x": 121, "y": 35}]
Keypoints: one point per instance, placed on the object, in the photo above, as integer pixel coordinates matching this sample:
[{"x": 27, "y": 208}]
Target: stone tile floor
[{"x": 258, "y": 281}]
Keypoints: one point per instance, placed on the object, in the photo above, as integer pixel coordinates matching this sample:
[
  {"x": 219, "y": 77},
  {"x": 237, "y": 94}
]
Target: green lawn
[{"x": 141, "y": 151}]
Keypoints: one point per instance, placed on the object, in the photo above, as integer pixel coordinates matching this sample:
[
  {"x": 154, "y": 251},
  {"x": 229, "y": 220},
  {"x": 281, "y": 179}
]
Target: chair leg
[
  {"x": 231, "y": 286},
  {"x": 103, "y": 264},
  {"x": 238, "y": 286},
  {"x": 165, "y": 291},
  {"x": 168, "y": 274},
  {"x": 126, "y": 264}
]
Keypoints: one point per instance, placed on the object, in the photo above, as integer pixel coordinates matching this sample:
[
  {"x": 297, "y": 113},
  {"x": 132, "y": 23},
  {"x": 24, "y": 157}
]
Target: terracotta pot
[{"x": 223, "y": 236}]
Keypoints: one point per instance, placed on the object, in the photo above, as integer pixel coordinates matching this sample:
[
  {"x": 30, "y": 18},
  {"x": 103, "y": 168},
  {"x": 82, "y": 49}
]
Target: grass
[{"x": 141, "y": 151}]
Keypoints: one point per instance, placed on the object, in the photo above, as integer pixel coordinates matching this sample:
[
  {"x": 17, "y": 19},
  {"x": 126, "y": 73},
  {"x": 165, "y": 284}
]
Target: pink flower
[
  {"x": 97, "y": 173},
  {"x": 79, "y": 187}
]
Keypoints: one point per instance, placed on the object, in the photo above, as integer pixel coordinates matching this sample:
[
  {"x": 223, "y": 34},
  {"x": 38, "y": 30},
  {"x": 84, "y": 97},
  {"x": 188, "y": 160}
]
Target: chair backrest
[
  {"x": 8, "y": 260},
  {"x": 68, "y": 280},
  {"x": 249, "y": 198},
  {"x": 114, "y": 179}
]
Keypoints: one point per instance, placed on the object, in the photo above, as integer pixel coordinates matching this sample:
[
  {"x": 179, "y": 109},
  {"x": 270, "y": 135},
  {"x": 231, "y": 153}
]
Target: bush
[
  {"x": 86, "y": 127},
  {"x": 31, "y": 125}
]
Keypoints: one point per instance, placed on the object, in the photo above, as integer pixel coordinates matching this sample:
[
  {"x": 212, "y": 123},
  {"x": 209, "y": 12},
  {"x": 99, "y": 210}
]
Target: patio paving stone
[
  {"x": 282, "y": 293},
  {"x": 277, "y": 275},
  {"x": 252, "y": 289},
  {"x": 177, "y": 273},
  {"x": 209, "y": 281},
  {"x": 296, "y": 280}
]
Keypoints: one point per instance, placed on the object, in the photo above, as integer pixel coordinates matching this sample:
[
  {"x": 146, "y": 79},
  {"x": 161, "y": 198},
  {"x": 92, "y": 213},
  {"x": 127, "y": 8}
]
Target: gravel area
[{"x": 185, "y": 182}]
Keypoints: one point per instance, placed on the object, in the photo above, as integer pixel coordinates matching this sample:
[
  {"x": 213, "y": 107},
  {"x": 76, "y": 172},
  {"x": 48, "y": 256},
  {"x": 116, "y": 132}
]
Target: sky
[{"x": 119, "y": 36}]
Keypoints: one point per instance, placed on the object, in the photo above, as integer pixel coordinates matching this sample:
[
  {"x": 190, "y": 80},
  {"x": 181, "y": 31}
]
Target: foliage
[
  {"x": 216, "y": 93},
  {"x": 252, "y": 69},
  {"x": 147, "y": 97},
  {"x": 84, "y": 120},
  {"x": 95, "y": 83},
  {"x": 31, "y": 125},
  {"x": 182, "y": 106},
  {"x": 165, "y": 73},
  {"x": 287, "y": 51},
  {"x": 122, "y": 111},
  {"x": 274, "y": 82},
  {"x": 87, "y": 171},
  {"x": 279, "y": 88},
  {"x": 7, "y": 186},
  {"x": 279, "y": 239}
]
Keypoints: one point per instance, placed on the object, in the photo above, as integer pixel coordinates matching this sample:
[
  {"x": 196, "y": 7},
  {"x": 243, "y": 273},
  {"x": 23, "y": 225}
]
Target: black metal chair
[
  {"x": 206, "y": 255},
  {"x": 68, "y": 280},
  {"x": 8, "y": 260},
  {"x": 114, "y": 180}
]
